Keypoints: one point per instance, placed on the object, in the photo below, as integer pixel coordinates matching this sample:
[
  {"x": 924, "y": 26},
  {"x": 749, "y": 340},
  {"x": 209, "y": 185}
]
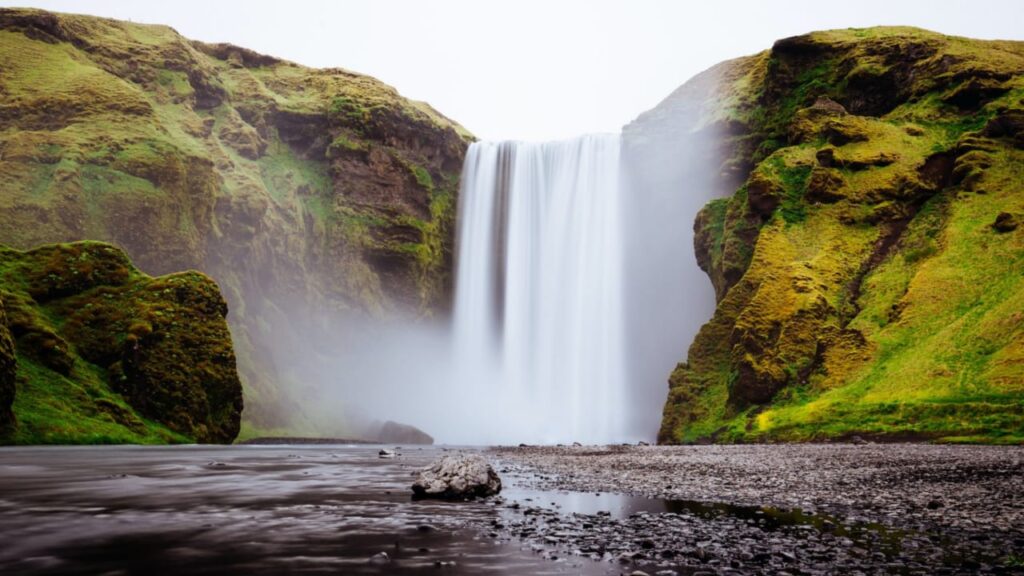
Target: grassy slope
[
  {"x": 876, "y": 297},
  {"x": 107, "y": 354},
  {"x": 295, "y": 188}
]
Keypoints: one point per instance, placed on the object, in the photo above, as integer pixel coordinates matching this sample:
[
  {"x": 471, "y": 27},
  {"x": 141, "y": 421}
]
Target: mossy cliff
[
  {"x": 101, "y": 352},
  {"x": 868, "y": 260},
  {"x": 310, "y": 196}
]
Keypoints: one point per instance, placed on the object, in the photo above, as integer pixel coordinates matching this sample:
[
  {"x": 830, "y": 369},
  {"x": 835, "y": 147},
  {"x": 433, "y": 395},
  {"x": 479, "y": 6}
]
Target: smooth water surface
[{"x": 240, "y": 509}]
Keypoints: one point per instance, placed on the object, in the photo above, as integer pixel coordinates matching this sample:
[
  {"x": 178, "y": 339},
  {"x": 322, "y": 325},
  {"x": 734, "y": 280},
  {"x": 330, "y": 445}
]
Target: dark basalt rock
[
  {"x": 1006, "y": 222},
  {"x": 974, "y": 92}
]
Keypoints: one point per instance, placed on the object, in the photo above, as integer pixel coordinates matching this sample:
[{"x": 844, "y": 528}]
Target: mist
[{"x": 509, "y": 364}]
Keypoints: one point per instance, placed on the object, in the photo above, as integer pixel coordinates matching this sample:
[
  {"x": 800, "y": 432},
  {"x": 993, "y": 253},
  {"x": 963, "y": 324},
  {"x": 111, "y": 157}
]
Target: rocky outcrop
[
  {"x": 112, "y": 355},
  {"x": 396, "y": 433},
  {"x": 457, "y": 477},
  {"x": 862, "y": 271},
  {"x": 315, "y": 198}
]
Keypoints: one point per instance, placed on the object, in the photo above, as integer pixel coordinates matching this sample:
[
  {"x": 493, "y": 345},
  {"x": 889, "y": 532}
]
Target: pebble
[{"x": 798, "y": 509}]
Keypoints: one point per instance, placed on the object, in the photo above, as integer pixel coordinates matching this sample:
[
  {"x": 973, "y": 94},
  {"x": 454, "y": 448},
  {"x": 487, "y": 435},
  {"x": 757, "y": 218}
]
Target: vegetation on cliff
[
  {"x": 868, "y": 268},
  {"x": 103, "y": 353},
  {"x": 311, "y": 196}
]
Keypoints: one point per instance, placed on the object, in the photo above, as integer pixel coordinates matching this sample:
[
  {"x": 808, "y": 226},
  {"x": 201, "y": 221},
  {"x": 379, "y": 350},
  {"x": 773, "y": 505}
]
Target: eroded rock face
[{"x": 457, "y": 477}]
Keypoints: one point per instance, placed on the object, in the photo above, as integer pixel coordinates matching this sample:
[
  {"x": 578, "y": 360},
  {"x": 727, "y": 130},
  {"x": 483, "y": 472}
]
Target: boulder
[{"x": 457, "y": 477}]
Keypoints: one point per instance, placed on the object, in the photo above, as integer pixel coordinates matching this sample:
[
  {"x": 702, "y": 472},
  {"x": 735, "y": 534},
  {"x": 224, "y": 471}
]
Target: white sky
[{"x": 537, "y": 69}]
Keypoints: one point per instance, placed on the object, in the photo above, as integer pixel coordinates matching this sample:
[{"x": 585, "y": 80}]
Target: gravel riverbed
[{"x": 796, "y": 509}]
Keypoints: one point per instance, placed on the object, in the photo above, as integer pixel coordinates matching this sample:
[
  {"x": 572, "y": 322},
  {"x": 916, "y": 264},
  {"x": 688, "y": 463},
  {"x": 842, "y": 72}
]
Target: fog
[{"x": 577, "y": 292}]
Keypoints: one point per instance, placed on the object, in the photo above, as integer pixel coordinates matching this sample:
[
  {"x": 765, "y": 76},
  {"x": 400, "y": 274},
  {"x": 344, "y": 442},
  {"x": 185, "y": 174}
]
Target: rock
[
  {"x": 8, "y": 371},
  {"x": 642, "y": 443},
  {"x": 974, "y": 92},
  {"x": 396, "y": 433},
  {"x": 380, "y": 558},
  {"x": 163, "y": 343},
  {"x": 386, "y": 166},
  {"x": 457, "y": 476},
  {"x": 385, "y": 453},
  {"x": 825, "y": 184},
  {"x": 1006, "y": 222},
  {"x": 857, "y": 440}
]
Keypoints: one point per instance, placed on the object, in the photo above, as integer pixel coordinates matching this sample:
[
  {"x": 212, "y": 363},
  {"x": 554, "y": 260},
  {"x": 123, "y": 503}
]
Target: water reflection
[{"x": 254, "y": 510}]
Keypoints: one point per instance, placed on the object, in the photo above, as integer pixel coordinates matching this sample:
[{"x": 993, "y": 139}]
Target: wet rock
[
  {"x": 844, "y": 509},
  {"x": 456, "y": 477},
  {"x": 385, "y": 453},
  {"x": 380, "y": 558}
]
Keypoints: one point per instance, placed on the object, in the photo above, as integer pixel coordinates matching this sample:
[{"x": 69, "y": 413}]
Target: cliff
[
  {"x": 314, "y": 198},
  {"x": 867, "y": 260},
  {"x": 102, "y": 353}
]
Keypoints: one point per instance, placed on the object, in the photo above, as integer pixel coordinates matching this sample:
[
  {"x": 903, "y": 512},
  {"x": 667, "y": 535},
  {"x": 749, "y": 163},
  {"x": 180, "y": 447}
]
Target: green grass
[{"x": 53, "y": 409}]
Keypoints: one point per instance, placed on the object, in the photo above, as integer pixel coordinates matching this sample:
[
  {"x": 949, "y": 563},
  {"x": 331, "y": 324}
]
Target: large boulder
[
  {"x": 457, "y": 477},
  {"x": 83, "y": 318}
]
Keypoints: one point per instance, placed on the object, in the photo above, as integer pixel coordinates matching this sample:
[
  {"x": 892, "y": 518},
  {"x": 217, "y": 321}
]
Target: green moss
[
  {"x": 889, "y": 307},
  {"x": 794, "y": 184},
  {"x": 423, "y": 177},
  {"x": 191, "y": 156},
  {"x": 106, "y": 354}
]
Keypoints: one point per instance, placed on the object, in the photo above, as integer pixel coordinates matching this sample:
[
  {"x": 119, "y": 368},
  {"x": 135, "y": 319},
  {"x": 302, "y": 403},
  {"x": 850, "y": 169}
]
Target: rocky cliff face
[
  {"x": 105, "y": 353},
  {"x": 311, "y": 196},
  {"x": 867, "y": 268}
]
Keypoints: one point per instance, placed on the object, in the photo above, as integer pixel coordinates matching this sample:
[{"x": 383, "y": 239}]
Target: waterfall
[{"x": 538, "y": 326}]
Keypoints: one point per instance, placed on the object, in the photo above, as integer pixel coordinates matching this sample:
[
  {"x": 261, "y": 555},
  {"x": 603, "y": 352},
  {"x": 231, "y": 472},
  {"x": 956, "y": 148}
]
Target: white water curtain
[{"x": 538, "y": 321}]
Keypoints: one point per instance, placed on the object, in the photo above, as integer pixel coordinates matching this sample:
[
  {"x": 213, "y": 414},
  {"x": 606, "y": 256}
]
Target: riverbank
[{"x": 801, "y": 509}]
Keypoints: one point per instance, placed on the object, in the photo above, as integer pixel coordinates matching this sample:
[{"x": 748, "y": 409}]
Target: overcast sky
[{"x": 537, "y": 69}]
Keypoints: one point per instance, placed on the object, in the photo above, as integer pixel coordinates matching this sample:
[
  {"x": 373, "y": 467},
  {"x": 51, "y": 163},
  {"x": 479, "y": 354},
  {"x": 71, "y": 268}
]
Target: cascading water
[{"x": 538, "y": 321}]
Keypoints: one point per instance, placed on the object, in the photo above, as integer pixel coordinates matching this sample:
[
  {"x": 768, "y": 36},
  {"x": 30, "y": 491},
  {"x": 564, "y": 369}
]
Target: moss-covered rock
[
  {"x": 871, "y": 286},
  {"x": 8, "y": 372},
  {"x": 106, "y": 353},
  {"x": 309, "y": 195}
]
